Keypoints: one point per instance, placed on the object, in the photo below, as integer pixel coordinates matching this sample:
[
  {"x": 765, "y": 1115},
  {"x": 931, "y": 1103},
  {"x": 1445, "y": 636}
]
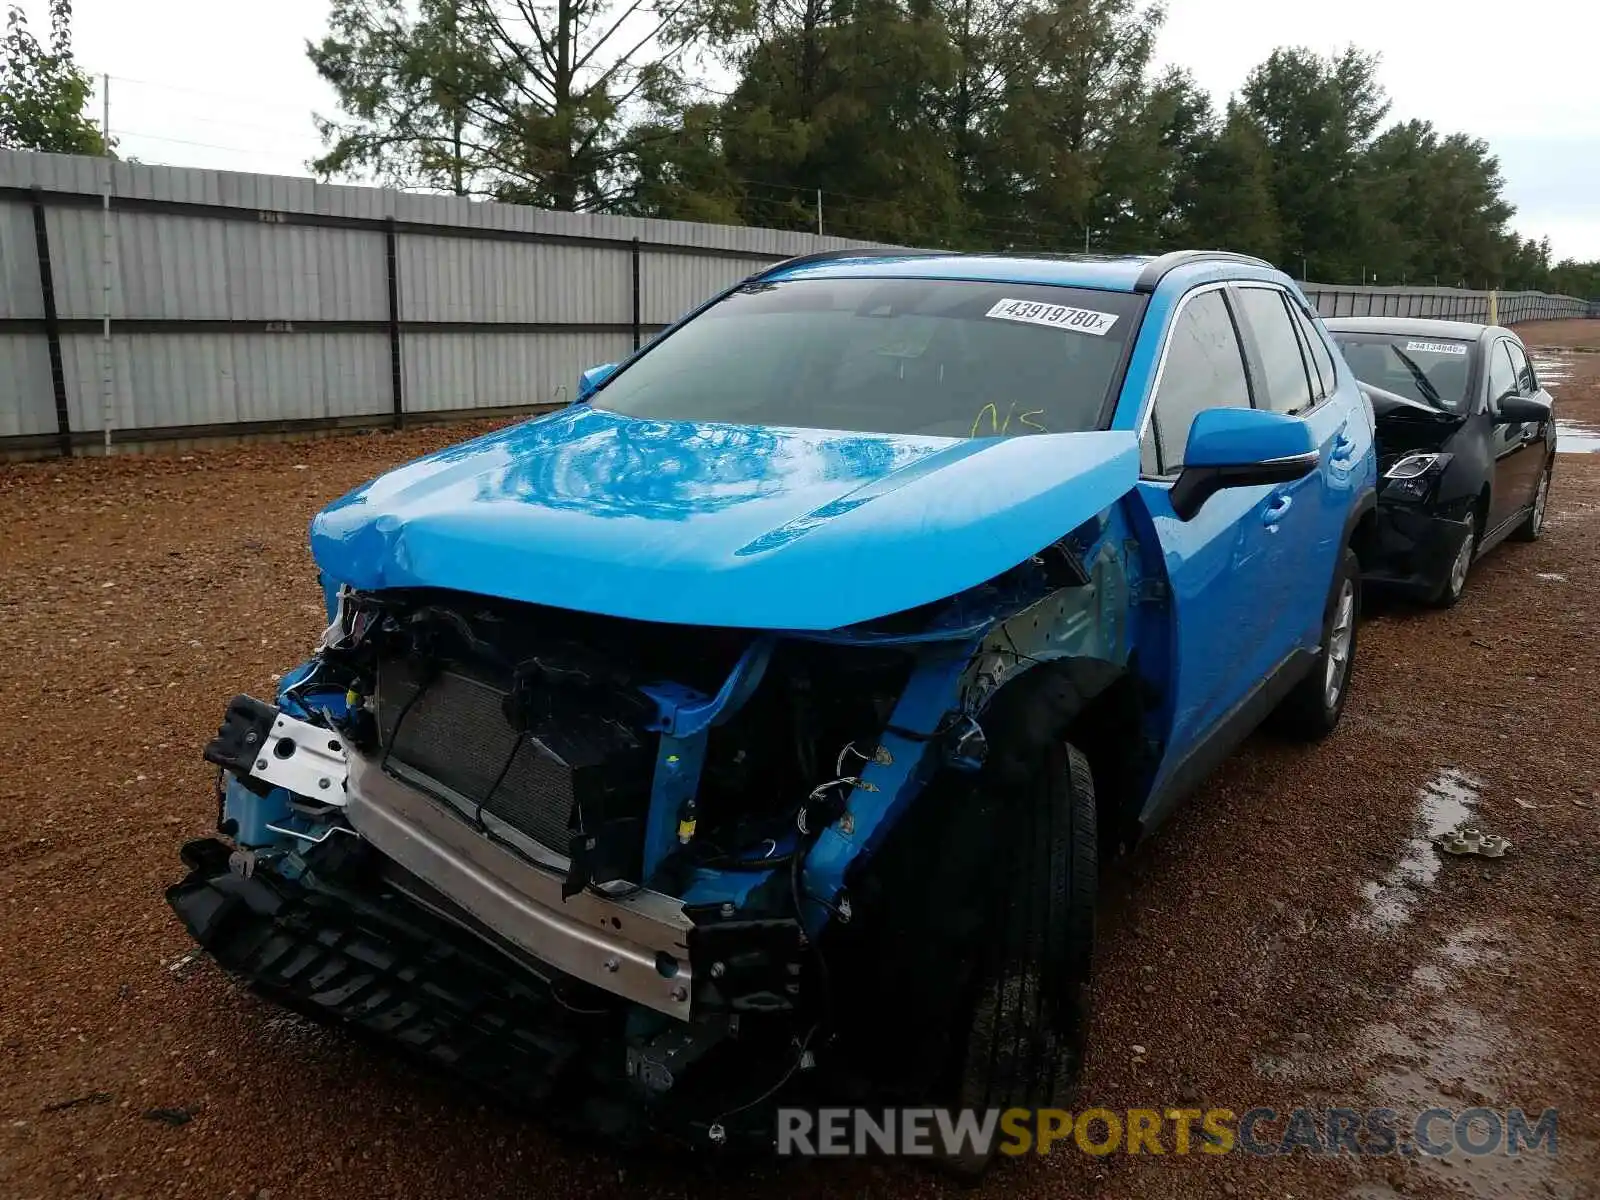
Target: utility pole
[
  {"x": 819, "y": 212},
  {"x": 1086, "y": 239},
  {"x": 107, "y": 381}
]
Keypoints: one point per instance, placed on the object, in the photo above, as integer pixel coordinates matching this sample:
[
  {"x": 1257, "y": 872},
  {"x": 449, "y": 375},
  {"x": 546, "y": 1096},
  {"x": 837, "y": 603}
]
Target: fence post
[
  {"x": 52, "y": 325},
  {"x": 635, "y": 249},
  {"x": 391, "y": 269}
]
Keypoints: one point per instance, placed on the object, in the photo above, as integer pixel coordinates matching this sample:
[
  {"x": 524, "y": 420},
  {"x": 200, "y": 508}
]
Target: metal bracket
[{"x": 307, "y": 759}]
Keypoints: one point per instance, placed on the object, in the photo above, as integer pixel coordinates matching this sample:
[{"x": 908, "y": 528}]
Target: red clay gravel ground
[{"x": 1286, "y": 939}]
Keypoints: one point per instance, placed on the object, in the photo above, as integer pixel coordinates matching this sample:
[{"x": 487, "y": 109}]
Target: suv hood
[{"x": 731, "y": 525}]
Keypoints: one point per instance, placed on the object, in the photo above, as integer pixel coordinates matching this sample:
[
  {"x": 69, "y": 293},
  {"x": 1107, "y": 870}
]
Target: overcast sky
[{"x": 226, "y": 83}]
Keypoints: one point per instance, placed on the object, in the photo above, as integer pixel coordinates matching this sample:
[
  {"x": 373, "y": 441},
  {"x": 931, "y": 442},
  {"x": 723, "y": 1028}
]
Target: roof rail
[
  {"x": 1157, "y": 269},
  {"x": 820, "y": 256}
]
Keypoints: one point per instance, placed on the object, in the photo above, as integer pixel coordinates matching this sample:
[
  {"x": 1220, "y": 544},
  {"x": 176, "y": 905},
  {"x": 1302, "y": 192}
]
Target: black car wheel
[
  {"x": 1312, "y": 709},
  {"x": 1533, "y": 524},
  {"x": 1455, "y": 580}
]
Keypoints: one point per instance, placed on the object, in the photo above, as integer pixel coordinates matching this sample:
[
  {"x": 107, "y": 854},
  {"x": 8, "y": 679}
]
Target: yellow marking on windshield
[{"x": 997, "y": 427}]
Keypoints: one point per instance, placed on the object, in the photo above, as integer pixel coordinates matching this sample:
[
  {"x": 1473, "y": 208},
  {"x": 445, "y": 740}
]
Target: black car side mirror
[{"x": 1516, "y": 409}]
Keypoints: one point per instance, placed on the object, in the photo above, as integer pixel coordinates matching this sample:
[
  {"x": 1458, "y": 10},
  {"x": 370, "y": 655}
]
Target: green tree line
[
  {"x": 973, "y": 124},
  {"x": 970, "y": 124}
]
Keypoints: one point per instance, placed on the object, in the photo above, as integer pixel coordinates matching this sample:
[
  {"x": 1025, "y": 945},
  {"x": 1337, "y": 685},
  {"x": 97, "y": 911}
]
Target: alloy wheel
[
  {"x": 1339, "y": 641},
  {"x": 1461, "y": 565}
]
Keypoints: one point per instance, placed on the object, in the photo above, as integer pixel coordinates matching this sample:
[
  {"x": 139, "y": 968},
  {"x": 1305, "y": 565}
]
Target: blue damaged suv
[{"x": 756, "y": 725}]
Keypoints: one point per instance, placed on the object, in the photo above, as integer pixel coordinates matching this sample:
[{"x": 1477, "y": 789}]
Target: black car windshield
[
  {"x": 1431, "y": 371},
  {"x": 941, "y": 357}
]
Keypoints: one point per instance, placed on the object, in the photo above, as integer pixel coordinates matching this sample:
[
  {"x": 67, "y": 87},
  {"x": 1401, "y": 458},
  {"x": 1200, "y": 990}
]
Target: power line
[
  {"x": 241, "y": 98},
  {"x": 156, "y": 137}
]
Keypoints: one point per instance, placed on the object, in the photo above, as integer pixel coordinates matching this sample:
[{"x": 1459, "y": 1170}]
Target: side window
[
  {"x": 1287, "y": 389},
  {"x": 1527, "y": 383},
  {"x": 1204, "y": 368},
  {"x": 1321, "y": 360},
  {"x": 1502, "y": 375},
  {"x": 1312, "y": 377}
]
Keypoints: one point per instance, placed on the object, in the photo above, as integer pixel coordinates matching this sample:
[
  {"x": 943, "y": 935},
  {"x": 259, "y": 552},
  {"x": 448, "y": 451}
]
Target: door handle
[{"x": 1275, "y": 509}]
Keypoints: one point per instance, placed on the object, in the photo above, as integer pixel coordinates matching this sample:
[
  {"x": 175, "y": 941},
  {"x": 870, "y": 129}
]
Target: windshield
[
  {"x": 939, "y": 357},
  {"x": 1431, "y": 371}
]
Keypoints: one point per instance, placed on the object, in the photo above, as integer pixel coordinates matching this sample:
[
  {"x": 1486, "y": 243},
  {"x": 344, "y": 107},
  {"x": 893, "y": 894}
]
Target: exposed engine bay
[{"x": 536, "y": 844}]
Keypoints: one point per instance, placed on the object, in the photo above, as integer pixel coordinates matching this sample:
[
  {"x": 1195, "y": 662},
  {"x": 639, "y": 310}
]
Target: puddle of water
[
  {"x": 1445, "y": 1053},
  {"x": 1467, "y": 946},
  {"x": 1447, "y": 1058},
  {"x": 1443, "y": 803},
  {"x": 1552, "y": 372},
  {"x": 1572, "y": 438}
]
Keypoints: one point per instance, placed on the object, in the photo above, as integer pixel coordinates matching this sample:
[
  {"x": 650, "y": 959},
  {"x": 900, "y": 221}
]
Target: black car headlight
[{"x": 1414, "y": 476}]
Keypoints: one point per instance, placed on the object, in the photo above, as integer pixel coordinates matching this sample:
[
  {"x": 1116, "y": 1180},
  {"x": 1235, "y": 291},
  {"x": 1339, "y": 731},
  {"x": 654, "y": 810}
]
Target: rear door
[{"x": 1282, "y": 345}]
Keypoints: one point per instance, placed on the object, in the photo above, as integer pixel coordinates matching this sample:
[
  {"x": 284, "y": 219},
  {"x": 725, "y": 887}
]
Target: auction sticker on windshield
[
  {"x": 1056, "y": 316},
  {"x": 1436, "y": 347}
]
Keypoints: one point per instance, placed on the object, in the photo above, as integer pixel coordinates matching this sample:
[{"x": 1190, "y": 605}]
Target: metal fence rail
[
  {"x": 1447, "y": 304},
  {"x": 244, "y": 304},
  {"x": 142, "y": 304}
]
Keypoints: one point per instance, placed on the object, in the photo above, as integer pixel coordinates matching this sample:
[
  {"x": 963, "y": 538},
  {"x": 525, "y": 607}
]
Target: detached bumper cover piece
[
  {"x": 393, "y": 970},
  {"x": 357, "y": 941},
  {"x": 1412, "y": 548}
]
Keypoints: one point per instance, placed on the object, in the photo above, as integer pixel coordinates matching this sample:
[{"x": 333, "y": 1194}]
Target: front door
[
  {"x": 1510, "y": 442},
  {"x": 1225, "y": 566},
  {"x": 1528, "y": 462}
]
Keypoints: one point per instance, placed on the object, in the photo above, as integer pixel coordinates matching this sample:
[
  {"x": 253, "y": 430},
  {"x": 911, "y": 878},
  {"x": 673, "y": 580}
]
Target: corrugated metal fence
[
  {"x": 243, "y": 304},
  {"x": 1448, "y": 304},
  {"x": 247, "y": 303}
]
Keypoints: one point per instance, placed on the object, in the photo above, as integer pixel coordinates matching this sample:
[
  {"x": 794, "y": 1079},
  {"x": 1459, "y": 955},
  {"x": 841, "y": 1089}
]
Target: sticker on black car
[
  {"x": 1057, "y": 316},
  {"x": 1436, "y": 348}
]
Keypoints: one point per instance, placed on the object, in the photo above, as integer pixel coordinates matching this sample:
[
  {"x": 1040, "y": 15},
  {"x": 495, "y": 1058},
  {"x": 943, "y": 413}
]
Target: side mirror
[
  {"x": 1516, "y": 409},
  {"x": 592, "y": 379},
  {"x": 1240, "y": 447}
]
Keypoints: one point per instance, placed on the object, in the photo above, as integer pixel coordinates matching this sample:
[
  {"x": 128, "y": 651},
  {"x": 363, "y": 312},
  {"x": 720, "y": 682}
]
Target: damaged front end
[
  {"x": 566, "y": 854},
  {"x": 1425, "y": 516}
]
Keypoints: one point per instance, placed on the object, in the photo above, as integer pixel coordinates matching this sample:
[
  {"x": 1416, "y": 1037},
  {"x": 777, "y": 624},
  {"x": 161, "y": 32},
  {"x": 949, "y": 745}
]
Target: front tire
[
  {"x": 1533, "y": 524},
  {"x": 1312, "y": 710},
  {"x": 1027, "y": 1012},
  {"x": 1455, "y": 580},
  {"x": 972, "y": 950}
]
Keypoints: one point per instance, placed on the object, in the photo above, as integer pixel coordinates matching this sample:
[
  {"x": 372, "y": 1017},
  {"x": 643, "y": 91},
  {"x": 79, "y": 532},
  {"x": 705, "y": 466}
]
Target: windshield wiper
[{"x": 1424, "y": 384}]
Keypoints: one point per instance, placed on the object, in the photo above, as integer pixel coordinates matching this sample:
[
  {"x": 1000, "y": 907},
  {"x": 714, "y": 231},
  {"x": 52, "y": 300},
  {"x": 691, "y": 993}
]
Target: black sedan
[{"x": 1465, "y": 445}]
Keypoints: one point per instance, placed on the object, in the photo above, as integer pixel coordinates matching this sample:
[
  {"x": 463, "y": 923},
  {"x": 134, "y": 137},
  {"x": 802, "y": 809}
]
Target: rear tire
[
  {"x": 1533, "y": 524},
  {"x": 1312, "y": 710}
]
